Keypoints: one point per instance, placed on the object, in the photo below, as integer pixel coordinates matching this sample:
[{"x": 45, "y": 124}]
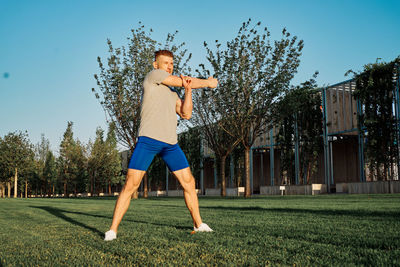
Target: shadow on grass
[
  {"x": 61, "y": 214},
  {"x": 328, "y": 212}
]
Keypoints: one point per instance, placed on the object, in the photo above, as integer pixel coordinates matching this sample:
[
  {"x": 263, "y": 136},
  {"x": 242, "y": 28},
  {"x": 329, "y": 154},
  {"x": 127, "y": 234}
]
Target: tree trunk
[
  {"x": 26, "y": 189},
  {"x": 65, "y": 189},
  {"x": 392, "y": 171},
  {"x": 16, "y": 183},
  {"x": 223, "y": 180},
  {"x": 92, "y": 185},
  {"x": 247, "y": 192},
  {"x": 9, "y": 189},
  {"x": 109, "y": 187},
  {"x": 378, "y": 172},
  {"x": 49, "y": 192},
  {"x": 145, "y": 191},
  {"x": 385, "y": 177},
  {"x": 239, "y": 176},
  {"x": 53, "y": 191},
  {"x": 3, "y": 191}
]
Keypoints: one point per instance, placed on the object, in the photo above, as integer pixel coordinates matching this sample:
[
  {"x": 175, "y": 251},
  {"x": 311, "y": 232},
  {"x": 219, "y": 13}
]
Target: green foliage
[
  {"x": 72, "y": 163},
  {"x": 40, "y": 182},
  {"x": 104, "y": 163},
  {"x": 210, "y": 116},
  {"x": 190, "y": 142},
  {"x": 16, "y": 153},
  {"x": 120, "y": 82},
  {"x": 239, "y": 170},
  {"x": 301, "y": 106},
  {"x": 253, "y": 72},
  {"x": 112, "y": 165},
  {"x": 375, "y": 90},
  {"x": 325, "y": 230},
  {"x": 156, "y": 173},
  {"x": 44, "y": 174},
  {"x": 50, "y": 171}
]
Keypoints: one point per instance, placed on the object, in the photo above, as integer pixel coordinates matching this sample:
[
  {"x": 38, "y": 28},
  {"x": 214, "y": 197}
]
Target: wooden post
[
  {"x": 9, "y": 189},
  {"x": 16, "y": 183},
  {"x": 26, "y": 189}
]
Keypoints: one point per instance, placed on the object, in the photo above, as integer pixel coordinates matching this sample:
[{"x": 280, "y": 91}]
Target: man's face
[{"x": 164, "y": 63}]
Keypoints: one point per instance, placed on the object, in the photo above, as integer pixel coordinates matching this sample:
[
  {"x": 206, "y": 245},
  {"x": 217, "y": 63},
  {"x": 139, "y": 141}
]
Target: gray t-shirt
[{"x": 158, "y": 112}]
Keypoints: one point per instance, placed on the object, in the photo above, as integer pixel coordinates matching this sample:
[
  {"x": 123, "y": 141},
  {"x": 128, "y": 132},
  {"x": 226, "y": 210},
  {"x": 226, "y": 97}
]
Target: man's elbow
[{"x": 186, "y": 116}]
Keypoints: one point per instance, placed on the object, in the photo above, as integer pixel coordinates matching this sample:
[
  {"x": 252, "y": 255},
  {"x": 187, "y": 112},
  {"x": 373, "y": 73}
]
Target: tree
[
  {"x": 27, "y": 178},
  {"x": 4, "y": 176},
  {"x": 104, "y": 165},
  {"x": 16, "y": 156},
  {"x": 211, "y": 118},
  {"x": 41, "y": 150},
  {"x": 72, "y": 162},
  {"x": 253, "y": 74},
  {"x": 79, "y": 163},
  {"x": 95, "y": 160},
  {"x": 300, "y": 107},
  {"x": 120, "y": 82},
  {"x": 190, "y": 142},
  {"x": 112, "y": 165},
  {"x": 65, "y": 158},
  {"x": 375, "y": 88},
  {"x": 50, "y": 171}
]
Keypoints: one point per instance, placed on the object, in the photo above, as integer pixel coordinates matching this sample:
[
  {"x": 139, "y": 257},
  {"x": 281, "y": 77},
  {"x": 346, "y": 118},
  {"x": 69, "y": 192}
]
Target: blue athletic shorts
[{"x": 146, "y": 148}]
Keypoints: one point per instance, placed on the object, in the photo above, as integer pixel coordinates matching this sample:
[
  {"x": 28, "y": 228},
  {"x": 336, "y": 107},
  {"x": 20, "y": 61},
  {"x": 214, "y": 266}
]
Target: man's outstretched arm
[
  {"x": 176, "y": 81},
  {"x": 184, "y": 107}
]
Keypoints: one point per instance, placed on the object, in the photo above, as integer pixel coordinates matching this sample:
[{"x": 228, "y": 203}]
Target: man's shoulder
[
  {"x": 156, "y": 71},
  {"x": 157, "y": 74}
]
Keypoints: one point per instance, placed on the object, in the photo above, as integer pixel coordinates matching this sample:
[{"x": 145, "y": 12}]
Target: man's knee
[
  {"x": 133, "y": 179},
  {"x": 189, "y": 181},
  {"x": 186, "y": 178}
]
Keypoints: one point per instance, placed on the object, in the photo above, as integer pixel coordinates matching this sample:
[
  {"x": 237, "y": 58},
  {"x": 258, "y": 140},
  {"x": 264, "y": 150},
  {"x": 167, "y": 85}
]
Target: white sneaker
[
  {"x": 110, "y": 235},
  {"x": 202, "y": 228}
]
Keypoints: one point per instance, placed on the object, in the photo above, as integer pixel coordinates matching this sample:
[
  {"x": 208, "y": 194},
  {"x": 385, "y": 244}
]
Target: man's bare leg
[
  {"x": 132, "y": 183},
  {"x": 186, "y": 179}
]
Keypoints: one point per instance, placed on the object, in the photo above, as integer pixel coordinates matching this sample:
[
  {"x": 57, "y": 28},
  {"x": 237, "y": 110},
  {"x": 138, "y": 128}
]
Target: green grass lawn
[{"x": 276, "y": 230}]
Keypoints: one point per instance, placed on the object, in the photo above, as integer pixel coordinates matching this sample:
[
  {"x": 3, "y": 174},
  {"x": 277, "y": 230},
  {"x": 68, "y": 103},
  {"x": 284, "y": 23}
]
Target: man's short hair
[{"x": 163, "y": 53}]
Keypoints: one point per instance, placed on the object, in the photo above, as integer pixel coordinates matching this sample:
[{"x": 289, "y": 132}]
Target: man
[{"x": 157, "y": 135}]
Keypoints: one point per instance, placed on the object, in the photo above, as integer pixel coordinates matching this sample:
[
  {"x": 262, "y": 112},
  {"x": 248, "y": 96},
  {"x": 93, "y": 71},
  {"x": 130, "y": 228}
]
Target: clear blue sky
[{"x": 48, "y": 49}]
